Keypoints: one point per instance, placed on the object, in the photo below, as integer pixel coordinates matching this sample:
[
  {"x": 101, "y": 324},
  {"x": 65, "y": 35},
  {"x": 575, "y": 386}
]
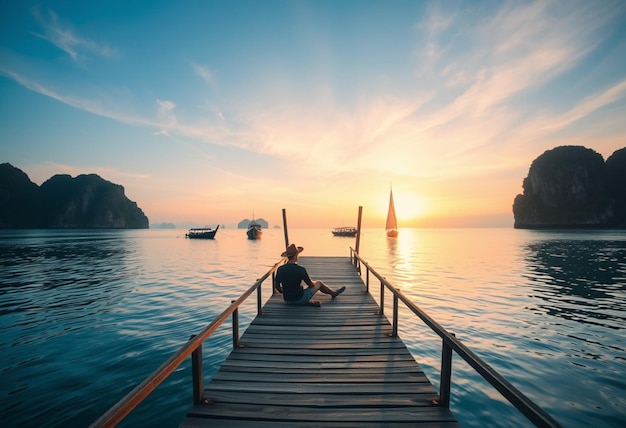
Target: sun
[{"x": 408, "y": 206}]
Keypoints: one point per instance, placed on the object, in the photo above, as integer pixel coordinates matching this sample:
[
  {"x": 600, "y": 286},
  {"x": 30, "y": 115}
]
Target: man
[{"x": 289, "y": 278}]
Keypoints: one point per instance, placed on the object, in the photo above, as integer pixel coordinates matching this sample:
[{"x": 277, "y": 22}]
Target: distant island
[
  {"x": 63, "y": 202},
  {"x": 573, "y": 187},
  {"x": 243, "y": 224},
  {"x": 163, "y": 225}
]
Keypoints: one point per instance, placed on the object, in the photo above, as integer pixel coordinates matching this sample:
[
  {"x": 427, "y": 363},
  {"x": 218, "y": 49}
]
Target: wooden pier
[{"x": 334, "y": 366}]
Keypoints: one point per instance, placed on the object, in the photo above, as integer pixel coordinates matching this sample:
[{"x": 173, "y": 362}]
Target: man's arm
[
  {"x": 278, "y": 287},
  {"x": 305, "y": 277}
]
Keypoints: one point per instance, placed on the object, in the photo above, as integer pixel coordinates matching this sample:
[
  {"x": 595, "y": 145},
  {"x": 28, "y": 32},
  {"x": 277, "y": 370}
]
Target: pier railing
[
  {"x": 194, "y": 348},
  {"x": 450, "y": 343}
]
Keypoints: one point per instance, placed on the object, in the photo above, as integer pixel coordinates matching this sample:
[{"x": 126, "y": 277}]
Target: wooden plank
[
  {"x": 413, "y": 414},
  {"x": 354, "y": 360},
  {"x": 199, "y": 422},
  {"x": 279, "y": 366},
  {"x": 294, "y": 387},
  {"x": 326, "y": 377},
  {"x": 332, "y": 366},
  {"x": 320, "y": 400}
]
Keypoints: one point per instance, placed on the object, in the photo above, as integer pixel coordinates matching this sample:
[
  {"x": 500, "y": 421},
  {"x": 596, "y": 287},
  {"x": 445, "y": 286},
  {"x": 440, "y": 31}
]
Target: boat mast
[{"x": 392, "y": 222}]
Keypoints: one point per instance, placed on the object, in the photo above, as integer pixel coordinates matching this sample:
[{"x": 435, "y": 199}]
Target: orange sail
[{"x": 392, "y": 222}]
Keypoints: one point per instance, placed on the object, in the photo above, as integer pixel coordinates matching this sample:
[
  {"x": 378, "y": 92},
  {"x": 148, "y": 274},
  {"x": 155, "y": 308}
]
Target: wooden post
[
  {"x": 258, "y": 298},
  {"x": 235, "y": 326},
  {"x": 382, "y": 298},
  {"x": 273, "y": 281},
  {"x": 446, "y": 374},
  {"x": 285, "y": 228},
  {"x": 358, "y": 229},
  {"x": 394, "y": 331},
  {"x": 196, "y": 374}
]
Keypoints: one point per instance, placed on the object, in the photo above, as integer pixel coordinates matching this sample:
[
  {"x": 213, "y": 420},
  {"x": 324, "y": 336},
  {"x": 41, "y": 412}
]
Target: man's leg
[
  {"x": 327, "y": 290},
  {"x": 316, "y": 287}
]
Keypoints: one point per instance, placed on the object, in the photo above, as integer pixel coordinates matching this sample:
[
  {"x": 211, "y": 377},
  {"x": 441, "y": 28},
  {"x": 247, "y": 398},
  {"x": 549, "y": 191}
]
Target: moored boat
[
  {"x": 254, "y": 230},
  {"x": 344, "y": 231},
  {"x": 202, "y": 233}
]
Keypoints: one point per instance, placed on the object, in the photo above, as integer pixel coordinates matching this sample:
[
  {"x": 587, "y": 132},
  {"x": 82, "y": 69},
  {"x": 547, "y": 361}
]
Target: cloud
[
  {"x": 165, "y": 122},
  {"x": 165, "y": 107},
  {"x": 467, "y": 101},
  {"x": 589, "y": 105},
  {"x": 472, "y": 69},
  {"x": 489, "y": 74},
  {"x": 65, "y": 38},
  {"x": 166, "y": 117},
  {"x": 489, "y": 59},
  {"x": 93, "y": 106},
  {"x": 204, "y": 72}
]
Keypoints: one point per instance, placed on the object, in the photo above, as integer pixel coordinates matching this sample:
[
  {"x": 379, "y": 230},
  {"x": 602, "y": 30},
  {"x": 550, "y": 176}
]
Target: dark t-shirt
[{"x": 291, "y": 275}]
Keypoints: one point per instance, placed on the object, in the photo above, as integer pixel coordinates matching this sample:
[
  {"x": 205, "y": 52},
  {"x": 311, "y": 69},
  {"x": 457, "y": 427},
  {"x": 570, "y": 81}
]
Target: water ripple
[{"x": 87, "y": 315}]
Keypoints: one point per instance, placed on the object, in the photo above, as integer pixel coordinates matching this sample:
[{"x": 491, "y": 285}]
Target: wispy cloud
[
  {"x": 480, "y": 70},
  {"x": 67, "y": 39},
  {"x": 490, "y": 59},
  {"x": 164, "y": 122},
  {"x": 204, "y": 72},
  {"x": 473, "y": 79},
  {"x": 589, "y": 105},
  {"x": 165, "y": 113},
  {"x": 93, "y": 106}
]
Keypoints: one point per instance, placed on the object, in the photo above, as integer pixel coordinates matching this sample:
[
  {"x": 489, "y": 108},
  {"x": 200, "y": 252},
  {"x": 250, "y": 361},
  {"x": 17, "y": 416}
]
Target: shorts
[{"x": 306, "y": 296}]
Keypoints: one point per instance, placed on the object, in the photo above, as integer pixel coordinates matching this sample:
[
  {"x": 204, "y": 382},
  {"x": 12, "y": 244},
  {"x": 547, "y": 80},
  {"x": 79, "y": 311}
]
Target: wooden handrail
[
  {"x": 131, "y": 400},
  {"x": 525, "y": 405}
]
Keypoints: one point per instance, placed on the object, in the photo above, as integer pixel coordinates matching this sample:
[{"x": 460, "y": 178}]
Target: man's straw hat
[{"x": 291, "y": 251}]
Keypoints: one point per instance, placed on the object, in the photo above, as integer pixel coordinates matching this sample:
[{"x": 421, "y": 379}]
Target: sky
[{"x": 210, "y": 112}]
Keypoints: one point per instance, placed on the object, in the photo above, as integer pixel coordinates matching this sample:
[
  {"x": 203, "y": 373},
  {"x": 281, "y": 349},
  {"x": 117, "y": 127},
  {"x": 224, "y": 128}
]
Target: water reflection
[
  {"x": 580, "y": 280},
  {"x": 392, "y": 247},
  {"x": 402, "y": 253}
]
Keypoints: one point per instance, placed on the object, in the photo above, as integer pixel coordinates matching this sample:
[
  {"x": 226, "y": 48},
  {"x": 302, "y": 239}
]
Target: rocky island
[
  {"x": 573, "y": 187},
  {"x": 243, "y": 224},
  {"x": 62, "y": 202}
]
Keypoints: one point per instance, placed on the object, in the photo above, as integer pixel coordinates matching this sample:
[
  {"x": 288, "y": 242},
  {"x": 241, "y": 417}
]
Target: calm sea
[{"x": 87, "y": 315}]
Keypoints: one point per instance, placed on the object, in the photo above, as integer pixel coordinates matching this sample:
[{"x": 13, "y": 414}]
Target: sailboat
[{"x": 392, "y": 222}]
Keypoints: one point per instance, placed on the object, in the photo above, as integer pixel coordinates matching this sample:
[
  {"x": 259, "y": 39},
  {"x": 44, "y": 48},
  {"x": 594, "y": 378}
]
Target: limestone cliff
[
  {"x": 572, "y": 186},
  {"x": 20, "y": 200},
  {"x": 87, "y": 201},
  {"x": 616, "y": 175}
]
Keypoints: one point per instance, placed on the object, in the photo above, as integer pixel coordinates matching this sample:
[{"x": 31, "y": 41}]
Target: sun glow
[{"x": 408, "y": 206}]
